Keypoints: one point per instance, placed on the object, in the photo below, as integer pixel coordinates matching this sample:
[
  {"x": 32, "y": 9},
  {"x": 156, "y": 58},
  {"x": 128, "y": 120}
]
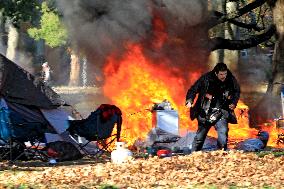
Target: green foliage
[
  {"x": 211, "y": 187},
  {"x": 51, "y": 29},
  {"x": 20, "y": 186},
  {"x": 107, "y": 186},
  {"x": 19, "y": 10}
]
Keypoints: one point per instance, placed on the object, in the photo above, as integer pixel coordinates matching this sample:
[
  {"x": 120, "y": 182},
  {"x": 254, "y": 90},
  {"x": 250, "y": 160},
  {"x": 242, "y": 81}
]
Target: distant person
[
  {"x": 218, "y": 94},
  {"x": 45, "y": 73}
]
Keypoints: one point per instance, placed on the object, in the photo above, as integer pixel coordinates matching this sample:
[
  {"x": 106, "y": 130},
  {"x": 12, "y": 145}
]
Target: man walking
[{"x": 218, "y": 94}]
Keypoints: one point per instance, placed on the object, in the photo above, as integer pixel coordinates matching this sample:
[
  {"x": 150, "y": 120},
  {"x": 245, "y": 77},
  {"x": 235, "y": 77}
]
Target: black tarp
[{"x": 19, "y": 86}]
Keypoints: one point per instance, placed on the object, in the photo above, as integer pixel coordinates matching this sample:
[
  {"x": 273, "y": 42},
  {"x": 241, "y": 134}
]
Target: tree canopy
[
  {"x": 19, "y": 10},
  {"x": 51, "y": 28}
]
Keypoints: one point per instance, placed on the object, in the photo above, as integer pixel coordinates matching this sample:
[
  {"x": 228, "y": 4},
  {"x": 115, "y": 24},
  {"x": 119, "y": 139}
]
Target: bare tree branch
[
  {"x": 253, "y": 26},
  {"x": 221, "y": 43},
  {"x": 221, "y": 18},
  {"x": 247, "y": 26}
]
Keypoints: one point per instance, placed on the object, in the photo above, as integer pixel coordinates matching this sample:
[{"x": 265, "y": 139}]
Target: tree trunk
[
  {"x": 2, "y": 34},
  {"x": 231, "y": 56},
  {"x": 278, "y": 57},
  {"x": 277, "y": 81},
  {"x": 221, "y": 52},
  {"x": 84, "y": 72},
  {"x": 270, "y": 105},
  {"x": 74, "y": 69}
]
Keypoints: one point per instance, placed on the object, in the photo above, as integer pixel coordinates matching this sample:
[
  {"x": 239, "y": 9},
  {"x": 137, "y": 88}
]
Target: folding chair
[
  {"x": 98, "y": 127},
  {"x": 14, "y": 132}
]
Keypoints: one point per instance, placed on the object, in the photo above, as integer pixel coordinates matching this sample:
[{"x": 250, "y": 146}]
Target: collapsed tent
[
  {"x": 27, "y": 100},
  {"x": 33, "y": 109},
  {"x": 19, "y": 86}
]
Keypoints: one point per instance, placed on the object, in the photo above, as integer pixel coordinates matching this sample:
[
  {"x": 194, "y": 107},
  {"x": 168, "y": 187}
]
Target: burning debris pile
[
  {"x": 159, "y": 139},
  {"x": 166, "y": 133}
]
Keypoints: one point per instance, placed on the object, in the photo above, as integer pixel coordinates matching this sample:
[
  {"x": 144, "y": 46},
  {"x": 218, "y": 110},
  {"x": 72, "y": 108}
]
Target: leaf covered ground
[{"x": 217, "y": 169}]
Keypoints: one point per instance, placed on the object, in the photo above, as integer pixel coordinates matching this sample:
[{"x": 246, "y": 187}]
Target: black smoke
[{"x": 100, "y": 27}]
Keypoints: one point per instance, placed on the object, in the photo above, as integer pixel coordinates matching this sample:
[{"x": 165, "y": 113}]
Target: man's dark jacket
[{"x": 200, "y": 87}]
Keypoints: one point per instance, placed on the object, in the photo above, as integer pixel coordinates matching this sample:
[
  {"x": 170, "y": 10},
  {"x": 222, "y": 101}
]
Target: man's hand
[
  {"x": 232, "y": 106},
  {"x": 188, "y": 104}
]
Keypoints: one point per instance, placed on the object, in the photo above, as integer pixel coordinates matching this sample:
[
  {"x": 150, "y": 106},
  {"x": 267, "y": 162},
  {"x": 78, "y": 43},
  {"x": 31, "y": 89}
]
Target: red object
[
  {"x": 163, "y": 153},
  {"x": 52, "y": 153},
  {"x": 108, "y": 111}
]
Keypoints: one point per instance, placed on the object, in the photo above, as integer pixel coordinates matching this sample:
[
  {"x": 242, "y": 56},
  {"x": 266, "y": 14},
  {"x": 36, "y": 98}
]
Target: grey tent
[
  {"x": 19, "y": 86},
  {"x": 26, "y": 99},
  {"x": 29, "y": 100}
]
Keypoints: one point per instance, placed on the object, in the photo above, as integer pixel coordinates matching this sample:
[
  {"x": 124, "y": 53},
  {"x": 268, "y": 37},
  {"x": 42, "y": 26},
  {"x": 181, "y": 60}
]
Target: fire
[
  {"x": 138, "y": 83},
  {"x": 134, "y": 82},
  {"x": 159, "y": 34},
  {"x": 274, "y": 133},
  {"x": 135, "y": 86}
]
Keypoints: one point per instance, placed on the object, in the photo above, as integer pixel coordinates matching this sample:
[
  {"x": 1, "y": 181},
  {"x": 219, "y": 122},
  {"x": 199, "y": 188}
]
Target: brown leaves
[{"x": 217, "y": 168}]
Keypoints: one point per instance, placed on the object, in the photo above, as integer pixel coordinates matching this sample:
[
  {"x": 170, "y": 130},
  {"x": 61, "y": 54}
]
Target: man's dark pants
[{"x": 222, "y": 129}]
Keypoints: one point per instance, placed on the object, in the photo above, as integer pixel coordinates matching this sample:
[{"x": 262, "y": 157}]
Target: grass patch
[
  {"x": 264, "y": 153},
  {"x": 107, "y": 186}
]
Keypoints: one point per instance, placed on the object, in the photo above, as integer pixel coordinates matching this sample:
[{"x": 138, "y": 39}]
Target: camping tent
[
  {"x": 28, "y": 100},
  {"x": 19, "y": 86}
]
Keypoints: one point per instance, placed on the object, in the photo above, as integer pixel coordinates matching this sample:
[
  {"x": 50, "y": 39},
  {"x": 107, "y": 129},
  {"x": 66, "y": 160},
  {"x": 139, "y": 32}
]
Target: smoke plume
[{"x": 100, "y": 27}]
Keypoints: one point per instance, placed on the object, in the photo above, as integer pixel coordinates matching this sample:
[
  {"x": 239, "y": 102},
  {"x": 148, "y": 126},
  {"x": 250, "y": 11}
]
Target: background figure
[
  {"x": 45, "y": 73},
  {"x": 218, "y": 94}
]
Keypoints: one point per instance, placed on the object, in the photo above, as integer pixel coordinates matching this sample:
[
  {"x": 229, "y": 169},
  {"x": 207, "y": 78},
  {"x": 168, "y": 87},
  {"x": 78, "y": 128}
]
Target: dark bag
[{"x": 64, "y": 151}]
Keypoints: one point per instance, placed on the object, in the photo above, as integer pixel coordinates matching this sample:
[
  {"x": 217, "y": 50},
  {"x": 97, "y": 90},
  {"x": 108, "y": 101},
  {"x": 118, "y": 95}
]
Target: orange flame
[
  {"x": 135, "y": 86},
  {"x": 138, "y": 83},
  {"x": 135, "y": 82}
]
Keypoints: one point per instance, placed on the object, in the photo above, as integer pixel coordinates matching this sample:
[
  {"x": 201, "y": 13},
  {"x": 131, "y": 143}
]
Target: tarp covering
[
  {"x": 254, "y": 144},
  {"x": 58, "y": 118},
  {"x": 160, "y": 138},
  {"x": 4, "y": 122},
  {"x": 22, "y": 127},
  {"x": 19, "y": 86}
]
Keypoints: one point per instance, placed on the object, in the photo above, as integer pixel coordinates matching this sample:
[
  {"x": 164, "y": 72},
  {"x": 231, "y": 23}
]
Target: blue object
[{"x": 5, "y": 131}]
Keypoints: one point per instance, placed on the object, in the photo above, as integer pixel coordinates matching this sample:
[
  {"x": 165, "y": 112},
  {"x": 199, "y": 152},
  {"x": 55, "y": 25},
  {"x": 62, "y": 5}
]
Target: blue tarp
[
  {"x": 4, "y": 124},
  {"x": 4, "y": 121}
]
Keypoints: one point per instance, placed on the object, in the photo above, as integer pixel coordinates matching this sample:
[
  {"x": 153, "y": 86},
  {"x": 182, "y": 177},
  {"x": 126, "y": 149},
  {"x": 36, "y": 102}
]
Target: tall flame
[
  {"x": 135, "y": 85},
  {"x": 134, "y": 82},
  {"x": 138, "y": 83}
]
